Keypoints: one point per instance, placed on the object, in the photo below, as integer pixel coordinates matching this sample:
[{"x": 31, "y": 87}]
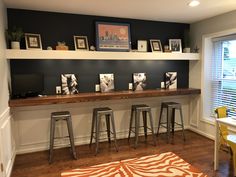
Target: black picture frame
[
  {"x": 81, "y": 43},
  {"x": 33, "y": 41},
  {"x": 113, "y": 36},
  {"x": 156, "y": 45}
]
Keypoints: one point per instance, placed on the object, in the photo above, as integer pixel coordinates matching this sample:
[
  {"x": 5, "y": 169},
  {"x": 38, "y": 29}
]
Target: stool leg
[
  {"x": 70, "y": 132},
  {"x": 108, "y": 127},
  {"x": 137, "y": 115},
  {"x": 131, "y": 122},
  {"x": 92, "y": 129},
  {"x": 52, "y": 131},
  {"x": 168, "y": 123},
  {"x": 145, "y": 123},
  {"x": 173, "y": 121},
  {"x": 159, "y": 123},
  {"x": 152, "y": 129},
  {"x": 114, "y": 130},
  {"x": 182, "y": 122},
  {"x": 97, "y": 120}
]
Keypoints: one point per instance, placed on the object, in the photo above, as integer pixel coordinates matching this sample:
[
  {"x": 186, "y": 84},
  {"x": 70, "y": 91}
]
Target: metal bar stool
[
  {"x": 65, "y": 116},
  {"x": 135, "y": 114},
  {"x": 171, "y": 123},
  {"x": 96, "y": 120}
]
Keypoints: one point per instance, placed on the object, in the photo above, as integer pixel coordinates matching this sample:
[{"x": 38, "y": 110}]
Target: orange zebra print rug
[{"x": 161, "y": 165}]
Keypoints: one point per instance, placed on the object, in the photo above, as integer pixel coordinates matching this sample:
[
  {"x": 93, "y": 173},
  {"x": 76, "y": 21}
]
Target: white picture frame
[
  {"x": 175, "y": 45},
  {"x": 142, "y": 46}
]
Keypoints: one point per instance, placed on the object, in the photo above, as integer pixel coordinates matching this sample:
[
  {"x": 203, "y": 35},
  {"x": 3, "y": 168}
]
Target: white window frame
[{"x": 207, "y": 53}]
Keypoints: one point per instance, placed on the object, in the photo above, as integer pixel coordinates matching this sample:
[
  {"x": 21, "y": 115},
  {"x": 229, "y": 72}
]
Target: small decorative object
[
  {"x": 33, "y": 41},
  {"x": 81, "y": 42},
  {"x": 107, "y": 82},
  {"x": 186, "y": 41},
  {"x": 69, "y": 84},
  {"x": 142, "y": 45},
  {"x": 162, "y": 85},
  {"x": 166, "y": 48},
  {"x": 92, "y": 48},
  {"x": 196, "y": 49},
  {"x": 15, "y": 35},
  {"x": 175, "y": 45},
  {"x": 139, "y": 81},
  {"x": 97, "y": 87},
  {"x": 171, "y": 80},
  {"x": 156, "y": 45},
  {"x": 49, "y": 48},
  {"x": 62, "y": 46},
  {"x": 112, "y": 36},
  {"x": 130, "y": 86}
]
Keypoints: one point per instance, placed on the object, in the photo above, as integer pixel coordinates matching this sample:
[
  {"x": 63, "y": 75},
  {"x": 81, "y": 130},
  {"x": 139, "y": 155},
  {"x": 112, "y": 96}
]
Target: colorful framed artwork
[
  {"x": 112, "y": 36},
  {"x": 33, "y": 41},
  {"x": 155, "y": 45},
  {"x": 175, "y": 45},
  {"x": 81, "y": 42}
]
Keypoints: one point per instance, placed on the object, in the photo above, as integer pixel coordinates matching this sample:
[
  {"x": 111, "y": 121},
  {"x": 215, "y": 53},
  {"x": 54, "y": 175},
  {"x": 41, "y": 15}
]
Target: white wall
[
  {"x": 32, "y": 123},
  {"x": 216, "y": 24},
  {"x": 6, "y": 140},
  {"x": 4, "y": 94}
]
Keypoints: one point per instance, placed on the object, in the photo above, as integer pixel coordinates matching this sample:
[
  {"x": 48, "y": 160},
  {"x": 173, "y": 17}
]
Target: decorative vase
[
  {"x": 15, "y": 45},
  {"x": 187, "y": 50}
]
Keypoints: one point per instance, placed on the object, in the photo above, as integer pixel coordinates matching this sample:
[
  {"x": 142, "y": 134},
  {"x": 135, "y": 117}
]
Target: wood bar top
[{"x": 85, "y": 97}]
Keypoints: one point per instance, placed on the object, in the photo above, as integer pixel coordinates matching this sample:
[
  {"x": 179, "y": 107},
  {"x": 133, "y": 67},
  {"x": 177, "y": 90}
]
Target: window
[{"x": 223, "y": 84}]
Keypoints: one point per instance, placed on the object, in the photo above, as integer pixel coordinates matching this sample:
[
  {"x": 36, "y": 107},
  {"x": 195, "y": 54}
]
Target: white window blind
[{"x": 223, "y": 73}]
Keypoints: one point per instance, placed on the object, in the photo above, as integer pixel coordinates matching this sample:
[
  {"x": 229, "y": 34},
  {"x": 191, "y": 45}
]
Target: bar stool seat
[
  {"x": 64, "y": 116},
  {"x": 171, "y": 107},
  {"x": 136, "y": 110},
  {"x": 96, "y": 121}
]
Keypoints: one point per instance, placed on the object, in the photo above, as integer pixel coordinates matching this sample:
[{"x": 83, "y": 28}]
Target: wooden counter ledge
[{"x": 85, "y": 97}]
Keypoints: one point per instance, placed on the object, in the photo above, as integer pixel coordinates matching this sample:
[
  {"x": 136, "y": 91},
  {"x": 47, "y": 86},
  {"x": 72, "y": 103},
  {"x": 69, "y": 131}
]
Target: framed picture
[
  {"x": 175, "y": 45},
  {"x": 171, "y": 80},
  {"x": 142, "y": 45},
  {"x": 81, "y": 42},
  {"x": 33, "y": 41},
  {"x": 107, "y": 82},
  {"x": 112, "y": 36},
  {"x": 139, "y": 80},
  {"x": 69, "y": 84},
  {"x": 155, "y": 45}
]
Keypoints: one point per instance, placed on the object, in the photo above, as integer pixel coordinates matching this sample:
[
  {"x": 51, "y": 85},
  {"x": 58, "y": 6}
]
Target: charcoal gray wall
[{"x": 55, "y": 27}]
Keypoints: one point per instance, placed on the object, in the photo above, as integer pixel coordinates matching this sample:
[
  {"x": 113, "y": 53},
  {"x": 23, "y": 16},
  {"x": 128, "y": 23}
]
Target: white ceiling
[{"x": 157, "y": 10}]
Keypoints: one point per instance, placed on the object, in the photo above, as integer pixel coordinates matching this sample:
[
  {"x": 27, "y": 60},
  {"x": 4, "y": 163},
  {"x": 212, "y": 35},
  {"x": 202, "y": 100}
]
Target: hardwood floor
[{"x": 197, "y": 150}]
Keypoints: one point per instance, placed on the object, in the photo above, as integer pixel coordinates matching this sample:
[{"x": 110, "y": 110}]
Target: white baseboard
[
  {"x": 10, "y": 166},
  {"x": 81, "y": 140},
  {"x": 201, "y": 133}
]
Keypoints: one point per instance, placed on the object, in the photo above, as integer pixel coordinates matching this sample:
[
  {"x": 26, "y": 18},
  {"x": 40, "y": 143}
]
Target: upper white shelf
[{"x": 97, "y": 55}]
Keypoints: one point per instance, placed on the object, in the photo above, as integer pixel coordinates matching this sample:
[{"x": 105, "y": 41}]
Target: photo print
[
  {"x": 107, "y": 82},
  {"x": 171, "y": 80},
  {"x": 139, "y": 81},
  {"x": 69, "y": 84}
]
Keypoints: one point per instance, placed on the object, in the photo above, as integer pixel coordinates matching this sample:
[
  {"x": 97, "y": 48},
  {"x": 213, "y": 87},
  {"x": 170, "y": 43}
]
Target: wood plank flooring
[{"x": 197, "y": 150}]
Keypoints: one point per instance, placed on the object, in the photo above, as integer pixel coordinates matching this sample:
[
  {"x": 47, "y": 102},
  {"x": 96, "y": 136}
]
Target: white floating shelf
[{"x": 97, "y": 55}]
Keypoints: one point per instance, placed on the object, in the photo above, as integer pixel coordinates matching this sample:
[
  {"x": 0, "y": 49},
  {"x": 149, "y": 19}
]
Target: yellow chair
[{"x": 225, "y": 138}]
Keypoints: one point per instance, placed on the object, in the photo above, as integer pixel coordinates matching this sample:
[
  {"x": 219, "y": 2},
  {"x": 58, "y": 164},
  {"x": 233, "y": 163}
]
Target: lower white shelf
[{"x": 97, "y": 55}]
